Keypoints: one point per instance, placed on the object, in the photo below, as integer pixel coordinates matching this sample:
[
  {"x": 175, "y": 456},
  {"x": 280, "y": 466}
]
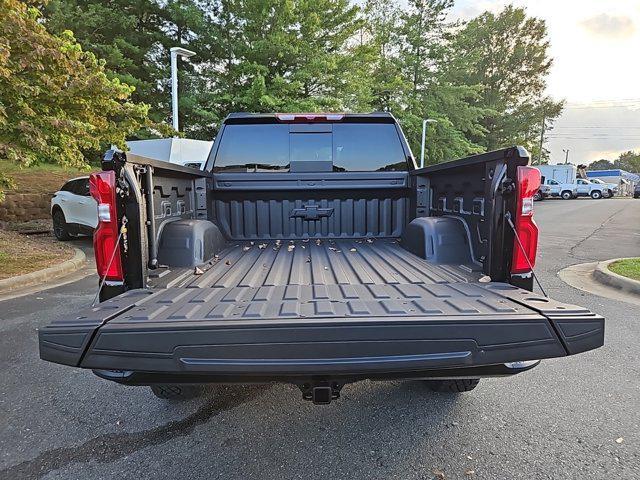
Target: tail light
[
  {"x": 102, "y": 186},
  {"x": 527, "y": 230}
]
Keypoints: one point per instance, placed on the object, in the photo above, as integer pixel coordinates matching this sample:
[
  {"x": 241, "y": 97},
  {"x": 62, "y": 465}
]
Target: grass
[
  {"x": 627, "y": 268},
  {"x": 21, "y": 254},
  {"x": 43, "y": 178}
]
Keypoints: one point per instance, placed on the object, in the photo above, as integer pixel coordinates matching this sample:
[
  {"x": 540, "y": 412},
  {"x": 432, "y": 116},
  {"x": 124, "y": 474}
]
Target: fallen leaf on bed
[
  {"x": 228, "y": 262},
  {"x": 619, "y": 440},
  {"x": 469, "y": 472},
  {"x": 353, "y": 250},
  {"x": 198, "y": 271},
  {"x": 262, "y": 245},
  {"x": 439, "y": 474},
  {"x": 290, "y": 248},
  {"x": 244, "y": 249}
]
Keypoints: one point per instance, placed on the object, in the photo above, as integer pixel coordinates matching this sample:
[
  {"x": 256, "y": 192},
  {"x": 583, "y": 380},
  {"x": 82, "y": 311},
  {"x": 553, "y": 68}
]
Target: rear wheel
[
  {"x": 453, "y": 386},
  {"x": 566, "y": 195},
  {"x": 60, "y": 228},
  {"x": 596, "y": 194},
  {"x": 176, "y": 392},
  {"x": 537, "y": 196}
]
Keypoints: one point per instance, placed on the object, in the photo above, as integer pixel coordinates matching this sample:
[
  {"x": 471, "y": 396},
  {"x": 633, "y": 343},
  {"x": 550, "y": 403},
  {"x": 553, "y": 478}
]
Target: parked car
[
  {"x": 636, "y": 191},
  {"x": 566, "y": 191},
  {"x": 585, "y": 188},
  {"x": 543, "y": 192},
  {"x": 609, "y": 189},
  {"x": 73, "y": 210},
  {"x": 311, "y": 250}
]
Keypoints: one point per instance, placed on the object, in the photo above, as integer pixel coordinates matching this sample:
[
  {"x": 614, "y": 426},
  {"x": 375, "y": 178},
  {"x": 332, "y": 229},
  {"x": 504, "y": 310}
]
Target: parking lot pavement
[{"x": 576, "y": 417}]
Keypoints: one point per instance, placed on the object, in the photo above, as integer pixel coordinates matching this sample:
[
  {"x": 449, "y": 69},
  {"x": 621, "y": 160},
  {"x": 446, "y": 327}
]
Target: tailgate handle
[{"x": 311, "y": 212}]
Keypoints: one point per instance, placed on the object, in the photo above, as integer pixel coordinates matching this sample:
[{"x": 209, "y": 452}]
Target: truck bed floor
[{"x": 325, "y": 262}]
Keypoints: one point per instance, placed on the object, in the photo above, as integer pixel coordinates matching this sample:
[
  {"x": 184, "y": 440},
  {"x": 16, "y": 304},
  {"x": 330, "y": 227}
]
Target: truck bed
[{"x": 306, "y": 308}]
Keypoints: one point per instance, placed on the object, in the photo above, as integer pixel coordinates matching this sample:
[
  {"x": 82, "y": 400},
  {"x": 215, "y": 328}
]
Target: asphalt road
[{"x": 561, "y": 420}]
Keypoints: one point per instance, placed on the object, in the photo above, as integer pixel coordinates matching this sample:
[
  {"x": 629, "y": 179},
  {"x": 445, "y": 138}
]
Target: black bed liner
[
  {"x": 342, "y": 307},
  {"x": 325, "y": 262}
]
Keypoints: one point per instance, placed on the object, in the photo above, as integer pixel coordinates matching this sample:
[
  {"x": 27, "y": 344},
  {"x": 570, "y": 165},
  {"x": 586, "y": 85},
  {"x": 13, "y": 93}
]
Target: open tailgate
[{"x": 312, "y": 329}]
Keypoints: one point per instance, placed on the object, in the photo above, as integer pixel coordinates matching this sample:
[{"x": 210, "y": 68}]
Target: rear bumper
[{"x": 354, "y": 348}]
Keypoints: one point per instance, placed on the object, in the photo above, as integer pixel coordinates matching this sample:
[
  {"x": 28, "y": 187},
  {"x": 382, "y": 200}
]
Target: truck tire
[
  {"x": 60, "y": 228},
  {"x": 566, "y": 195},
  {"x": 596, "y": 194},
  {"x": 453, "y": 386},
  {"x": 176, "y": 392}
]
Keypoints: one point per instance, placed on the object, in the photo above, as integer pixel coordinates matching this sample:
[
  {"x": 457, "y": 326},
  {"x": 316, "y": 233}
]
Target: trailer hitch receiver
[{"x": 321, "y": 392}]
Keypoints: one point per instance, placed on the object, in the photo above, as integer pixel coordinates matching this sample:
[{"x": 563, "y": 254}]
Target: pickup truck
[
  {"x": 592, "y": 189},
  {"x": 566, "y": 191},
  {"x": 311, "y": 250}
]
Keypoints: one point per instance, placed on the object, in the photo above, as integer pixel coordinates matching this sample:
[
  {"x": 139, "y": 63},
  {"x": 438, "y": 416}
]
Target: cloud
[{"x": 609, "y": 26}]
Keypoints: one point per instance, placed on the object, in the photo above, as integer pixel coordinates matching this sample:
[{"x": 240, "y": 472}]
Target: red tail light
[
  {"x": 102, "y": 186},
  {"x": 528, "y": 184}
]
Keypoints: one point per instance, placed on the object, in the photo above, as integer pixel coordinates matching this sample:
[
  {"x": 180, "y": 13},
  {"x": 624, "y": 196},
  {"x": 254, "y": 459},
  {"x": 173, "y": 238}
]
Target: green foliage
[
  {"x": 5, "y": 183},
  {"x": 601, "y": 164},
  {"x": 629, "y": 161},
  {"x": 409, "y": 78},
  {"x": 629, "y": 267},
  {"x": 482, "y": 81},
  {"x": 506, "y": 54},
  {"x": 56, "y": 102},
  {"x": 284, "y": 55}
]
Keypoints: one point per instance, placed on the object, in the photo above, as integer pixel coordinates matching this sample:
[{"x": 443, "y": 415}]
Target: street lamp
[
  {"x": 424, "y": 134},
  {"x": 183, "y": 52},
  {"x": 566, "y": 155}
]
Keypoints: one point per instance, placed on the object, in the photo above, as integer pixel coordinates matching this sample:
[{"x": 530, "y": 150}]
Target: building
[{"x": 626, "y": 181}]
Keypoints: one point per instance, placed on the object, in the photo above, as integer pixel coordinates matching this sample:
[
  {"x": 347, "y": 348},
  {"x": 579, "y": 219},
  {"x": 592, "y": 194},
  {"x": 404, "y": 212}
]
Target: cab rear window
[{"x": 337, "y": 147}]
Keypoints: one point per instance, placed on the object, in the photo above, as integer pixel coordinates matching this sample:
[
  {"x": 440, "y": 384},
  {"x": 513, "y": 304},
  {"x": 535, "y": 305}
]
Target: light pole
[
  {"x": 424, "y": 134},
  {"x": 566, "y": 155},
  {"x": 183, "y": 52}
]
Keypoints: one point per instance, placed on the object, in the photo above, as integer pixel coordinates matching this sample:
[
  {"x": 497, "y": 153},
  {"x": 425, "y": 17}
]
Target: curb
[
  {"x": 40, "y": 276},
  {"x": 603, "y": 275}
]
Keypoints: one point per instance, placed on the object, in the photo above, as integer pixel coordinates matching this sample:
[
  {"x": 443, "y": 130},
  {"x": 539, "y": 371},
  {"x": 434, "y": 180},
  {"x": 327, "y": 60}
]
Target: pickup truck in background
[
  {"x": 311, "y": 250},
  {"x": 566, "y": 191},
  {"x": 608, "y": 189},
  {"x": 596, "y": 191}
]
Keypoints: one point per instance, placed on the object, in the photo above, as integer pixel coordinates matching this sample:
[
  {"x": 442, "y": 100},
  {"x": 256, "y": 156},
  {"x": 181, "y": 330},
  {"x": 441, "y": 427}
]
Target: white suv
[{"x": 73, "y": 210}]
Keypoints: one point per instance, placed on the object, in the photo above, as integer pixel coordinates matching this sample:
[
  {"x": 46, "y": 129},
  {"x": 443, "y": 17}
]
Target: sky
[{"x": 595, "y": 45}]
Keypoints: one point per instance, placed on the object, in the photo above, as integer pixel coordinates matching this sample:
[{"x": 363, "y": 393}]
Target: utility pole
[
  {"x": 183, "y": 52},
  {"x": 566, "y": 155},
  {"x": 542, "y": 129}
]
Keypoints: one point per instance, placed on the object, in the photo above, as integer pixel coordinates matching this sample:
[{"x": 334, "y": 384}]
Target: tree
[
  {"x": 629, "y": 161},
  {"x": 506, "y": 54},
  {"x": 283, "y": 55},
  {"x": 413, "y": 45},
  {"x": 134, "y": 38},
  {"x": 56, "y": 101},
  {"x": 601, "y": 164}
]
